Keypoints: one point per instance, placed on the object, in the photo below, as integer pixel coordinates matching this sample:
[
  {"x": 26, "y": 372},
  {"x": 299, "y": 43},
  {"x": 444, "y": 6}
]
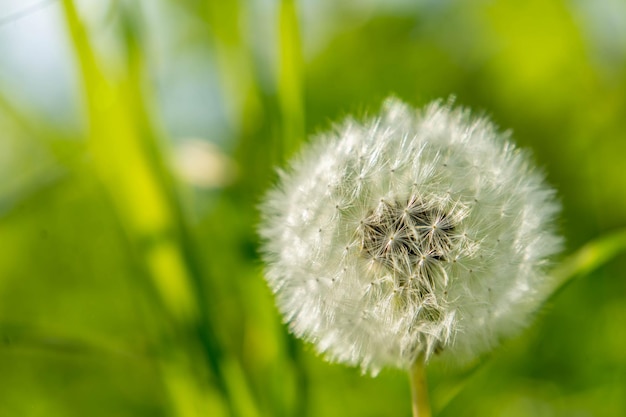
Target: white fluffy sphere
[{"x": 410, "y": 234}]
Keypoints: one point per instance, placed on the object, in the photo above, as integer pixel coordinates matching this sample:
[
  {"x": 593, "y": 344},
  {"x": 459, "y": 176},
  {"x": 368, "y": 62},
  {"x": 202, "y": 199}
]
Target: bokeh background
[{"x": 137, "y": 137}]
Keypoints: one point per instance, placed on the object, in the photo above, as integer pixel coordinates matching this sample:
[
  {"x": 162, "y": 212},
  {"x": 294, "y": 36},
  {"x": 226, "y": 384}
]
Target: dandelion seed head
[{"x": 411, "y": 234}]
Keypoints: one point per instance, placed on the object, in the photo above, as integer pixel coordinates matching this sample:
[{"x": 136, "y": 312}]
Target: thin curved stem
[
  {"x": 590, "y": 256},
  {"x": 419, "y": 389}
]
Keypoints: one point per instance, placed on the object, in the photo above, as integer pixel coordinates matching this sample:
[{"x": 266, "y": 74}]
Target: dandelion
[{"x": 412, "y": 234}]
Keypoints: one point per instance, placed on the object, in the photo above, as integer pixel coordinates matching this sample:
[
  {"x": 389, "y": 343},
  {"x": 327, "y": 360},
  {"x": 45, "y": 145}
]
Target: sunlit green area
[{"x": 137, "y": 138}]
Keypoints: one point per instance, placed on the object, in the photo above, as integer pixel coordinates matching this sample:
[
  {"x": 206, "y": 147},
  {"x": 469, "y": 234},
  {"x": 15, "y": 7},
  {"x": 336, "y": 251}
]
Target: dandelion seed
[{"x": 421, "y": 258}]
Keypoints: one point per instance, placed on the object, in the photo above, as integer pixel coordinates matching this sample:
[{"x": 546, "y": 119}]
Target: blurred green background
[{"x": 136, "y": 138}]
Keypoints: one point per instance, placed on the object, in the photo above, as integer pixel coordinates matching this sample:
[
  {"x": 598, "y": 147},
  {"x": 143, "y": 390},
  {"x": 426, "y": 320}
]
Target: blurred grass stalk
[
  {"x": 246, "y": 116},
  {"x": 129, "y": 164},
  {"x": 264, "y": 142},
  {"x": 290, "y": 80},
  {"x": 588, "y": 258},
  {"x": 233, "y": 57}
]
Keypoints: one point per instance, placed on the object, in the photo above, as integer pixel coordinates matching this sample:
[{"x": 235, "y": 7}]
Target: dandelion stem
[{"x": 419, "y": 390}]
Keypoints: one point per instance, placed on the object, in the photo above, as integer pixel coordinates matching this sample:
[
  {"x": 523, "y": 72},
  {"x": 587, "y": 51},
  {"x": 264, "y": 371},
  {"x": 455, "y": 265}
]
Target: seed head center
[{"x": 405, "y": 236}]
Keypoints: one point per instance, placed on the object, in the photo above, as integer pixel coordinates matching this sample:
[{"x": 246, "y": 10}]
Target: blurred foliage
[{"x": 132, "y": 165}]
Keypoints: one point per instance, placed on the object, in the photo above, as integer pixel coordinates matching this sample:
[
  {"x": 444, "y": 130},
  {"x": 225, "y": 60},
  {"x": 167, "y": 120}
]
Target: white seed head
[{"x": 413, "y": 233}]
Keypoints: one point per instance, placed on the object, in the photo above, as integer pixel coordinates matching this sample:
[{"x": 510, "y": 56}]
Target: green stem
[{"x": 419, "y": 389}]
